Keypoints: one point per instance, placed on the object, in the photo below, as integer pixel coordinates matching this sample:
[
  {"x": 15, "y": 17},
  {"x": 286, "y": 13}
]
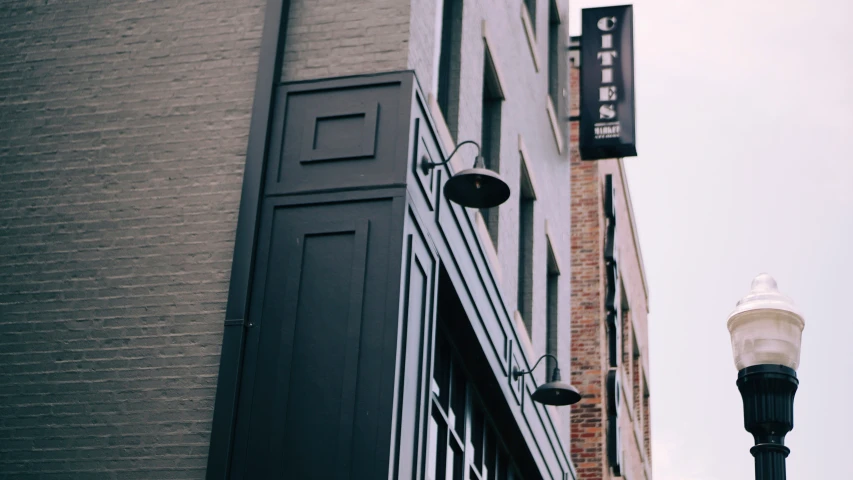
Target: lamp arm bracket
[
  {"x": 516, "y": 373},
  {"x": 426, "y": 165}
]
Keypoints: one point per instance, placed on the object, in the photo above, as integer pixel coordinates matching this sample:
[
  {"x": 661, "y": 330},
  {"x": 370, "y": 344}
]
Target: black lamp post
[{"x": 766, "y": 330}]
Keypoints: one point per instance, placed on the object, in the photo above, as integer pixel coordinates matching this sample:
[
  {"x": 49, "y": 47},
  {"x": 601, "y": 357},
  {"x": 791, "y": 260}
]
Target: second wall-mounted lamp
[
  {"x": 476, "y": 187},
  {"x": 556, "y": 392}
]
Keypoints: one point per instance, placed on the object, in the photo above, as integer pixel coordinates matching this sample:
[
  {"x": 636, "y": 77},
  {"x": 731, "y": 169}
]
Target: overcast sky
[{"x": 744, "y": 134}]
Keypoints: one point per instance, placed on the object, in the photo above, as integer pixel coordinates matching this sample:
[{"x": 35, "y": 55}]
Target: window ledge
[
  {"x": 627, "y": 392},
  {"x": 555, "y": 127},
  {"x": 552, "y": 242},
  {"x": 528, "y": 168},
  {"x": 487, "y": 37},
  {"x": 530, "y": 34}
]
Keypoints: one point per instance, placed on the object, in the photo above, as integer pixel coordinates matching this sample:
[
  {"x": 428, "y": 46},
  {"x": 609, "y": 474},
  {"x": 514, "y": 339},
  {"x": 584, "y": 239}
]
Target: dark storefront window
[{"x": 460, "y": 436}]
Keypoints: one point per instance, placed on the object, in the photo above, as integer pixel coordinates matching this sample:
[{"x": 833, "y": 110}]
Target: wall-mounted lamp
[
  {"x": 476, "y": 187},
  {"x": 555, "y": 392}
]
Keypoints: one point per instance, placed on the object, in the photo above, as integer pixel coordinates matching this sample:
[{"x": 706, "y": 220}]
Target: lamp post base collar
[
  {"x": 766, "y": 369},
  {"x": 770, "y": 448},
  {"x": 770, "y": 461}
]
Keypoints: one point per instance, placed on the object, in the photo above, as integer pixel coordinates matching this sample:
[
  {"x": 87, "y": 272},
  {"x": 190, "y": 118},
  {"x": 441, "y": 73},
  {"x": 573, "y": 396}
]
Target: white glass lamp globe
[{"x": 765, "y": 327}]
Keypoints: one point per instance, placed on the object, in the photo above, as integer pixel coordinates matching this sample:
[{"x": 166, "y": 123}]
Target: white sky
[{"x": 745, "y": 134}]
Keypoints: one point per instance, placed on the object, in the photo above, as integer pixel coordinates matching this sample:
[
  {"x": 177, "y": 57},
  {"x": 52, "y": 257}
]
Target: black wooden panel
[
  {"x": 340, "y": 131},
  {"x": 319, "y": 349},
  {"x": 451, "y": 223},
  {"x": 324, "y": 345},
  {"x": 516, "y": 384},
  {"x": 461, "y": 254},
  {"x": 335, "y": 146},
  {"x": 425, "y": 150},
  {"x": 339, "y": 134},
  {"x": 416, "y": 326},
  {"x": 456, "y": 229}
]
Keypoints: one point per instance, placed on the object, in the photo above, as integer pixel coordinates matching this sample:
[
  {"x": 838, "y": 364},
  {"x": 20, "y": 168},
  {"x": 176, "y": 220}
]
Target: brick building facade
[
  {"x": 601, "y": 451},
  {"x": 123, "y": 134},
  {"x": 155, "y": 169}
]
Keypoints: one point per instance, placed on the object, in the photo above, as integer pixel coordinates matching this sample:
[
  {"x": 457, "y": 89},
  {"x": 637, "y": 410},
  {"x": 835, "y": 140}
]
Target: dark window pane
[
  {"x": 457, "y": 416},
  {"x": 490, "y": 135},
  {"x": 513, "y": 474},
  {"x": 455, "y": 463},
  {"x": 553, "y": 52},
  {"x": 552, "y": 321},
  {"x": 503, "y": 474},
  {"x": 477, "y": 436},
  {"x": 525, "y": 250},
  {"x": 449, "y": 63},
  {"x": 462, "y": 442},
  {"x": 441, "y": 375},
  {"x": 436, "y": 447},
  {"x": 491, "y": 454}
]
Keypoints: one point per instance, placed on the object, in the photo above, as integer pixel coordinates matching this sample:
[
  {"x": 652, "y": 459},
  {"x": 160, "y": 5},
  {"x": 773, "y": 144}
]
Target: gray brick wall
[
  {"x": 123, "y": 133},
  {"x": 123, "y": 130},
  {"x": 523, "y": 113},
  {"x": 332, "y": 38},
  {"x": 423, "y": 41}
]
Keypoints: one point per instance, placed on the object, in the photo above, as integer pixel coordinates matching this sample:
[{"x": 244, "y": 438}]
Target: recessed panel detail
[
  {"x": 337, "y": 136},
  {"x": 340, "y": 133}
]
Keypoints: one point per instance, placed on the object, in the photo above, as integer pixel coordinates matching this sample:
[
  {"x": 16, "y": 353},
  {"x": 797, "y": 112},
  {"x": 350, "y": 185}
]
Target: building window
[
  {"x": 531, "y": 12},
  {"x": 527, "y": 198},
  {"x": 460, "y": 436},
  {"x": 636, "y": 382},
  {"x": 627, "y": 334},
  {"x": 648, "y": 421},
  {"x": 553, "y": 52},
  {"x": 491, "y": 134},
  {"x": 627, "y": 340},
  {"x": 447, "y": 420},
  {"x": 552, "y": 311},
  {"x": 616, "y": 325},
  {"x": 449, "y": 63}
]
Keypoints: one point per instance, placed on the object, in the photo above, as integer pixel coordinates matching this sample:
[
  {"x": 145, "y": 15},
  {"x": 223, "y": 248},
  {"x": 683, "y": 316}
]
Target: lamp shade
[
  {"x": 476, "y": 188},
  {"x": 556, "y": 392},
  {"x": 766, "y": 328}
]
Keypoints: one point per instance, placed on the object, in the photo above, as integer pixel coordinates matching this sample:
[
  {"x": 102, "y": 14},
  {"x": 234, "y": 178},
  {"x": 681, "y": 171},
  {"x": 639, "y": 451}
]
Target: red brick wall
[
  {"x": 589, "y": 334},
  {"x": 588, "y": 329}
]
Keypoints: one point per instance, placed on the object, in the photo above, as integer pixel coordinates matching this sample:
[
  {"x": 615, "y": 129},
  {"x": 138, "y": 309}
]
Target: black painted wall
[
  {"x": 335, "y": 367},
  {"x": 319, "y": 359}
]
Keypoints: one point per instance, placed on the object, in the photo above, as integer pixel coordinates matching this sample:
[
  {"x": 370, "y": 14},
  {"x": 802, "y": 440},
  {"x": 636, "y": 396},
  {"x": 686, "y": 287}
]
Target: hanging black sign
[
  {"x": 607, "y": 83},
  {"x": 613, "y": 308},
  {"x": 614, "y": 433}
]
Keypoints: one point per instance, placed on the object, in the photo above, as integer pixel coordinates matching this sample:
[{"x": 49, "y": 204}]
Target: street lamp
[
  {"x": 476, "y": 187},
  {"x": 766, "y": 330},
  {"x": 556, "y": 392}
]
